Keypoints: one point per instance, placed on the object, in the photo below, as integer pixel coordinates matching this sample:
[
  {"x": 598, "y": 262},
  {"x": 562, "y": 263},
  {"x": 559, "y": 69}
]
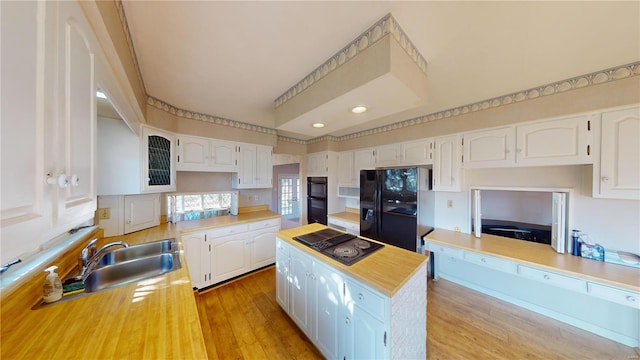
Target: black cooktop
[{"x": 343, "y": 247}]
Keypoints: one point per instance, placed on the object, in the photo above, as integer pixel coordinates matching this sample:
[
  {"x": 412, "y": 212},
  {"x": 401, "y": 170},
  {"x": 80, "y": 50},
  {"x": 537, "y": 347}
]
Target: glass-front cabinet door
[{"x": 158, "y": 160}]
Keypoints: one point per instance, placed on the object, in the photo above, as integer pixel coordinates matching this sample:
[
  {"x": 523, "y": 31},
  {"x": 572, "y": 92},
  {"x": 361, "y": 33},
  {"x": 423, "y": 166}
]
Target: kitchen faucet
[{"x": 89, "y": 255}]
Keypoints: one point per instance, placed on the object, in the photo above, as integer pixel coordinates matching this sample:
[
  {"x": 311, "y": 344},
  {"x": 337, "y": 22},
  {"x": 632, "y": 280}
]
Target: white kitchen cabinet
[
  {"x": 555, "y": 142},
  {"x": 387, "y": 155},
  {"x": 347, "y": 175},
  {"x": 364, "y": 159},
  {"x": 343, "y": 225},
  {"x": 229, "y": 251},
  {"x": 283, "y": 277},
  {"x": 620, "y": 296},
  {"x": 326, "y": 309},
  {"x": 197, "y": 250},
  {"x": 141, "y": 212},
  {"x": 318, "y": 164},
  {"x": 300, "y": 308},
  {"x": 197, "y": 153},
  {"x": 158, "y": 160},
  {"x": 49, "y": 61},
  {"x": 617, "y": 173},
  {"x": 365, "y": 334},
  {"x": 489, "y": 148},
  {"x": 447, "y": 173},
  {"x": 416, "y": 152},
  {"x": 255, "y": 167}
]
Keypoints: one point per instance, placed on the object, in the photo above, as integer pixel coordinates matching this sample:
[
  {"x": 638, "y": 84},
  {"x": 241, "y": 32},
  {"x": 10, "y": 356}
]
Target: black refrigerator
[{"x": 396, "y": 206}]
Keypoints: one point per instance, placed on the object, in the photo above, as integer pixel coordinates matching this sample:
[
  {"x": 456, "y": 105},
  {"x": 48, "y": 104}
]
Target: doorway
[{"x": 288, "y": 200}]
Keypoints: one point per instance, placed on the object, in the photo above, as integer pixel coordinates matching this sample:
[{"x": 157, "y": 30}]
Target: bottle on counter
[
  {"x": 52, "y": 290},
  {"x": 575, "y": 237}
]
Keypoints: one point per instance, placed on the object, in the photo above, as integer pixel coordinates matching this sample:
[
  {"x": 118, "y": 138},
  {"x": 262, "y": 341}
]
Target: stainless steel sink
[
  {"x": 129, "y": 271},
  {"x": 137, "y": 251}
]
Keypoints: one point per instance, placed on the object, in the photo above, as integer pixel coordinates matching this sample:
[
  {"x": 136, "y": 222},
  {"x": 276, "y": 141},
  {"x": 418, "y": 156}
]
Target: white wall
[{"x": 615, "y": 224}]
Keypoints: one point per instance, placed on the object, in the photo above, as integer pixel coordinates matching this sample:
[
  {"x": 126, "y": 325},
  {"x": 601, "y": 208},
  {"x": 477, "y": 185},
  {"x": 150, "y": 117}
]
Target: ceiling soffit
[{"x": 381, "y": 69}]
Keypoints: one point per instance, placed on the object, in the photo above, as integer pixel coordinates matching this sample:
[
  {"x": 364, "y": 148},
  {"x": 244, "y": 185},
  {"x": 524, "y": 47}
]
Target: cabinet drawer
[
  {"x": 228, "y": 230},
  {"x": 366, "y": 299},
  {"x": 619, "y": 296},
  {"x": 562, "y": 281},
  {"x": 490, "y": 262},
  {"x": 441, "y": 249},
  {"x": 264, "y": 224}
]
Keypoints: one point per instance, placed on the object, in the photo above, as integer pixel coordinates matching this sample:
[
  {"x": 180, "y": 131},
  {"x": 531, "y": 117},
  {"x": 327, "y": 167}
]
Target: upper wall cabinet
[
  {"x": 364, "y": 159},
  {"x": 318, "y": 164},
  {"x": 158, "y": 160},
  {"x": 555, "y": 142},
  {"x": 617, "y": 173},
  {"x": 49, "y": 61},
  {"x": 203, "y": 154},
  {"x": 387, "y": 155},
  {"x": 417, "y": 152},
  {"x": 255, "y": 167},
  {"x": 346, "y": 170},
  {"x": 447, "y": 173}
]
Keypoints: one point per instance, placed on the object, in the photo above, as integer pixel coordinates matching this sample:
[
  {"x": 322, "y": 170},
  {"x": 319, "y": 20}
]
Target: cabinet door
[
  {"x": 327, "y": 310},
  {"x": 263, "y": 247},
  {"x": 364, "y": 160},
  {"x": 446, "y": 165},
  {"x": 158, "y": 160},
  {"x": 491, "y": 148},
  {"x": 556, "y": 142},
  {"x": 246, "y": 177},
  {"x": 194, "y": 154},
  {"x": 301, "y": 283},
  {"x": 77, "y": 116},
  {"x": 318, "y": 164},
  {"x": 141, "y": 212},
  {"x": 282, "y": 274},
  {"x": 264, "y": 167},
  {"x": 346, "y": 170},
  {"x": 223, "y": 156},
  {"x": 388, "y": 155},
  {"x": 230, "y": 256},
  {"x": 417, "y": 152},
  {"x": 619, "y": 176},
  {"x": 195, "y": 246},
  {"x": 365, "y": 335}
]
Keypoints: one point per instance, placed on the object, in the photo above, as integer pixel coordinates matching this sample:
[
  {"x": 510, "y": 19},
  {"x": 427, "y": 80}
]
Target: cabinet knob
[
  {"x": 518, "y": 150},
  {"x": 360, "y": 297},
  {"x": 61, "y": 180},
  {"x": 347, "y": 321},
  {"x": 546, "y": 277},
  {"x": 483, "y": 260},
  {"x": 605, "y": 179},
  {"x": 631, "y": 298},
  {"x": 75, "y": 180}
]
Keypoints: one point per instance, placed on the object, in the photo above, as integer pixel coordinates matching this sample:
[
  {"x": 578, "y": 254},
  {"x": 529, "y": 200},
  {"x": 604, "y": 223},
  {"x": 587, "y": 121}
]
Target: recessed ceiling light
[
  {"x": 100, "y": 94},
  {"x": 358, "y": 109},
  {"x": 318, "y": 125}
]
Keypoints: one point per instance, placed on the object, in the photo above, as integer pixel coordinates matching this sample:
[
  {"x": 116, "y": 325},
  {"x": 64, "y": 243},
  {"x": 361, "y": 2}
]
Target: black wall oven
[{"x": 317, "y": 200}]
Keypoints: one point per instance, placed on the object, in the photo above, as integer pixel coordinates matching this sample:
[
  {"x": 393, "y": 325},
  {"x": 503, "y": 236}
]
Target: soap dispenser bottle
[{"x": 52, "y": 285}]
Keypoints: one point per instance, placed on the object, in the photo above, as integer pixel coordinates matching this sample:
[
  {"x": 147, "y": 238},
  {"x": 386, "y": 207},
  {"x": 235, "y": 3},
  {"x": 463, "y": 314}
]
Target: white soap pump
[{"x": 52, "y": 285}]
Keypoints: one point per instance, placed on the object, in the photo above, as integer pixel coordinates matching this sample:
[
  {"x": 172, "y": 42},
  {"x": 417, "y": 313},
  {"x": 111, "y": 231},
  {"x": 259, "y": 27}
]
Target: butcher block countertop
[
  {"x": 350, "y": 215},
  {"x": 385, "y": 270},
  {"x": 541, "y": 256},
  {"x": 155, "y": 318}
]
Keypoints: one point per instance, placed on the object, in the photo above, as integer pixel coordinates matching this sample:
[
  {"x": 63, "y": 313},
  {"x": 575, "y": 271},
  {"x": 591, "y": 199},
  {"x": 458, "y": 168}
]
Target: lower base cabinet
[
  {"x": 344, "y": 318},
  {"x": 225, "y": 252}
]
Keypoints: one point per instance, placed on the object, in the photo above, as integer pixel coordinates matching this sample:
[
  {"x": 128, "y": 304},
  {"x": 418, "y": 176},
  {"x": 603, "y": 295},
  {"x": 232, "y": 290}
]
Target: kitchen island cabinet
[{"x": 375, "y": 308}]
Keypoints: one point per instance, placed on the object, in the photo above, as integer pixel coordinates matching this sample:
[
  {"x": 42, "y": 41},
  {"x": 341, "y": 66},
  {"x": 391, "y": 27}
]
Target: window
[{"x": 193, "y": 206}]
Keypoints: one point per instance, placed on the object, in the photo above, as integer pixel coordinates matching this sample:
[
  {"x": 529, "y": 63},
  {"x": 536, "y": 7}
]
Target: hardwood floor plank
[{"x": 242, "y": 320}]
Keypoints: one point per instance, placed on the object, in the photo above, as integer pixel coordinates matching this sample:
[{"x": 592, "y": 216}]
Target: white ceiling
[{"x": 232, "y": 59}]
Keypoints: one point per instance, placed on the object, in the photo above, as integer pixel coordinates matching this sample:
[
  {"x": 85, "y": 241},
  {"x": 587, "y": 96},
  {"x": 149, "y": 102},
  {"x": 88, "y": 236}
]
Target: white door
[
  {"x": 264, "y": 167},
  {"x": 346, "y": 169},
  {"x": 194, "y": 246},
  {"x": 327, "y": 310},
  {"x": 417, "y": 152},
  {"x": 246, "y": 166},
  {"x": 490, "y": 148},
  {"x": 365, "y": 335},
  {"x": 446, "y": 164},
  {"x": 193, "y": 153},
  {"x": 230, "y": 256},
  {"x": 288, "y": 200},
  {"x": 299, "y": 302},
  {"x": 263, "y": 247},
  {"x": 282, "y": 274},
  {"x": 223, "y": 155}
]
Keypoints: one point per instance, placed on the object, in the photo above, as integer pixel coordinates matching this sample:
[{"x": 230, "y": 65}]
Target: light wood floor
[{"x": 241, "y": 320}]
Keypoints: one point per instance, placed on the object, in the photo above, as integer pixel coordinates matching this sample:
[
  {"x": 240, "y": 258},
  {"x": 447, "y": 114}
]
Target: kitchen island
[
  {"x": 155, "y": 318},
  {"x": 374, "y": 308}
]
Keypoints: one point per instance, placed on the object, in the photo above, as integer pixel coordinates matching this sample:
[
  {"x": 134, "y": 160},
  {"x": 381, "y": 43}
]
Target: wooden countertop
[
  {"x": 347, "y": 216},
  {"x": 541, "y": 256},
  {"x": 152, "y": 319},
  {"x": 386, "y": 270}
]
